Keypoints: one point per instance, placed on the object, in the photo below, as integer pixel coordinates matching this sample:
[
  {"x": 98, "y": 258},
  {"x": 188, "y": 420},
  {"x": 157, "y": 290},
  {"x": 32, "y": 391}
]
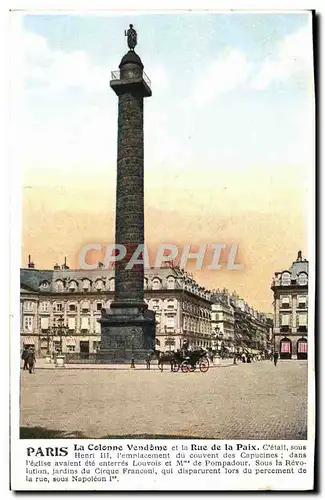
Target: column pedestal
[{"x": 127, "y": 332}]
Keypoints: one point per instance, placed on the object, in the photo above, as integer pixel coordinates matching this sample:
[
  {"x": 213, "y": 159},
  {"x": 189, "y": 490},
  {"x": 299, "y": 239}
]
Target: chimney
[
  {"x": 64, "y": 266},
  {"x": 56, "y": 267},
  {"x": 299, "y": 255},
  {"x": 31, "y": 264}
]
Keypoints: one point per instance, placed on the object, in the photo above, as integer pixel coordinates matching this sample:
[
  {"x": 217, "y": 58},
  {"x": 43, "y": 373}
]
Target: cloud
[
  {"x": 293, "y": 57},
  {"x": 224, "y": 74},
  {"x": 57, "y": 70}
]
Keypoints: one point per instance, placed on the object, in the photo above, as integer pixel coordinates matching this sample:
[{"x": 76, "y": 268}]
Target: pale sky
[{"x": 228, "y": 136}]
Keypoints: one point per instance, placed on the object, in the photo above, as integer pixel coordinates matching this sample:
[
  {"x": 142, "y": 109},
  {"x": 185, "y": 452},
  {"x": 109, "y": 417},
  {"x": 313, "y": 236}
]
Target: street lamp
[{"x": 132, "y": 353}]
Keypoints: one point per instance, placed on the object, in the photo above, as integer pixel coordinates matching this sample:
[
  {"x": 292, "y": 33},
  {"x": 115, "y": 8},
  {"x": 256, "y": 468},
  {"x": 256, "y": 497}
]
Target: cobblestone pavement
[{"x": 247, "y": 401}]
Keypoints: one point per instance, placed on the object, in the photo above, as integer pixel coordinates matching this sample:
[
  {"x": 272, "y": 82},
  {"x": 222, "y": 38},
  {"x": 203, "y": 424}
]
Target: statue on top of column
[{"x": 131, "y": 37}]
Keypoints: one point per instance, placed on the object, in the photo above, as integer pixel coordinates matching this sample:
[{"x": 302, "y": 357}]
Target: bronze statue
[{"x": 131, "y": 37}]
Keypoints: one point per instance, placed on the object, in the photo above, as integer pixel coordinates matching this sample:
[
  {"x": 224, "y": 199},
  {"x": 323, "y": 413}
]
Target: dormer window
[
  {"x": 99, "y": 285},
  {"x": 170, "y": 282},
  {"x": 302, "y": 279},
  {"x": 73, "y": 286},
  {"x": 156, "y": 284},
  {"x": 86, "y": 285},
  {"x": 44, "y": 285},
  {"x": 112, "y": 284},
  {"x": 286, "y": 279},
  {"x": 59, "y": 286}
]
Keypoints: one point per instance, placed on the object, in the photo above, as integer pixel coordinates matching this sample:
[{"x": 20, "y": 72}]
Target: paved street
[{"x": 247, "y": 401}]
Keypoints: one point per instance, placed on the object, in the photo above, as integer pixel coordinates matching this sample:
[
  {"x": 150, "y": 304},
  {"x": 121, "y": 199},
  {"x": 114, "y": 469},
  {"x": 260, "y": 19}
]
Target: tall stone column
[{"x": 128, "y": 327}]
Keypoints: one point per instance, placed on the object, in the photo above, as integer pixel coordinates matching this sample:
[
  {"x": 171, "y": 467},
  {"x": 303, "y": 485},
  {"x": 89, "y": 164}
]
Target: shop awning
[
  {"x": 28, "y": 341},
  {"x": 70, "y": 341}
]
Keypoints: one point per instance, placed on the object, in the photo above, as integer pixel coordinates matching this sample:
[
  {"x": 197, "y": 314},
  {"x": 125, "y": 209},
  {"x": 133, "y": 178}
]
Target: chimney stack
[{"x": 31, "y": 264}]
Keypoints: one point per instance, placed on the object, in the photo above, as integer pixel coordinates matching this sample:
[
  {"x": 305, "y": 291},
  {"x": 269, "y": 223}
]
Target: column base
[{"x": 126, "y": 333}]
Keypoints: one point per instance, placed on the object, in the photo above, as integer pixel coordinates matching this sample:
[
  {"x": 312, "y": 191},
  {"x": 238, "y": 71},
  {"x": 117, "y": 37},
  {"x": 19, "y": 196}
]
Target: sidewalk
[{"x": 41, "y": 364}]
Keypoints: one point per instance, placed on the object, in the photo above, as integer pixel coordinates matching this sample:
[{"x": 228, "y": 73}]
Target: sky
[{"x": 228, "y": 137}]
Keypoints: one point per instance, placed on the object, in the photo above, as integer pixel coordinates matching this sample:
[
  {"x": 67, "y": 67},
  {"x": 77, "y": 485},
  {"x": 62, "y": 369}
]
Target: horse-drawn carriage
[{"x": 186, "y": 361}]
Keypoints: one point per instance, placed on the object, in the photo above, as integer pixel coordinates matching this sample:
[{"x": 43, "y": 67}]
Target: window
[
  {"x": 99, "y": 285},
  {"x": 86, "y": 285},
  {"x": 72, "y": 307},
  {"x": 170, "y": 321},
  {"x": 285, "y": 347},
  {"x": 59, "y": 286},
  {"x": 99, "y": 306},
  {"x": 286, "y": 278},
  {"x": 112, "y": 284},
  {"x": 302, "y": 279},
  {"x": 155, "y": 305},
  {"x": 44, "y": 323},
  {"x": 285, "y": 319},
  {"x": 156, "y": 284},
  {"x": 285, "y": 302},
  {"x": 71, "y": 323},
  {"x": 45, "y": 306},
  {"x": 28, "y": 323},
  {"x": 85, "y": 305},
  {"x": 302, "y": 319},
  {"x": 170, "y": 304},
  {"x": 302, "y": 302},
  {"x": 58, "y": 307},
  {"x": 44, "y": 285},
  {"x": 170, "y": 282},
  {"x": 71, "y": 348},
  {"x": 28, "y": 305},
  {"x": 302, "y": 346},
  {"x": 73, "y": 286},
  {"x": 84, "y": 323}
]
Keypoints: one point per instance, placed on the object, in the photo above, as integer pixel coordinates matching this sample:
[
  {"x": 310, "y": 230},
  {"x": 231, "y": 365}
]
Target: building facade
[
  {"x": 60, "y": 308},
  {"x": 238, "y": 327},
  {"x": 290, "y": 290}
]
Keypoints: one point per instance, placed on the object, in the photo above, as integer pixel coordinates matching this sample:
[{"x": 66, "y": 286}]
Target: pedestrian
[
  {"x": 132, "y": 362},
  {"x": 275, "y": 358},
  {"x": 31, "y": 360},
  {"x": 148, "y": 361},
  {"x": 24, "y": 358}
]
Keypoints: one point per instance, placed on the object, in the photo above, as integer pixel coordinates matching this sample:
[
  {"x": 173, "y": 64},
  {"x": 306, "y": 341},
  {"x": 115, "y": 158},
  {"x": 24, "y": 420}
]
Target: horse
[{"x": 169, "y": 357}]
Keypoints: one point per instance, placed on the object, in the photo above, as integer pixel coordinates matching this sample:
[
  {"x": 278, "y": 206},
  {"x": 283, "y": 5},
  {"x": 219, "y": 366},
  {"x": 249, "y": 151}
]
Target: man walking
[
  {"x": 31, "y": 360},
  {"x": 24, "y": 358},
  {"x": 148, "y": 360},
  {"x": 275, "y": 358}
]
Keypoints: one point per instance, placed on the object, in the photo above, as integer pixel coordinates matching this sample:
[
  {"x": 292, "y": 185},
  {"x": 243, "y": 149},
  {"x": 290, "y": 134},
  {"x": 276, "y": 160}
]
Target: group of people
[{"x": 29, "y": 359}]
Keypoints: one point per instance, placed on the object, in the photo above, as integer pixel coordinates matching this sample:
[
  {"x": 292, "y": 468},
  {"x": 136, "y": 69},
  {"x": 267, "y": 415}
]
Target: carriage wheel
[
  {"x": 185, "y": 367},
  {"x": 175, "y": 367},
  {"x": 204, "y": 365},
  {"x": 191, "y": 368}
]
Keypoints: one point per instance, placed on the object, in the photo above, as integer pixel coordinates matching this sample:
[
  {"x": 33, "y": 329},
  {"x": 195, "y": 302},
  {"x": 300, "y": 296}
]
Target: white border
[{"x": 71, "y": 6}]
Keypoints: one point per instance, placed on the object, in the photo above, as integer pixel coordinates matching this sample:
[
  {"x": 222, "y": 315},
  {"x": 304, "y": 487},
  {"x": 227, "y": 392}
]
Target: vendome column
[{"x": 128, "y": 327}]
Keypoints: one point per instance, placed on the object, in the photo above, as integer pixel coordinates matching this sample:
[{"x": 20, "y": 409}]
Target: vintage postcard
[{"x": 163, "y": 271}]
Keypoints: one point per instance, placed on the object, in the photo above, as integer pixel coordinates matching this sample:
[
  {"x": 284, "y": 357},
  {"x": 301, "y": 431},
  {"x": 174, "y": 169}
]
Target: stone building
[
  {"x": 222, "y": 321},
  {"x": 238, "y": 327},
  {"x": 290, "y": 290},
  {"x": 251, "y": 329},
  {"x": 60, "y": 308}
]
